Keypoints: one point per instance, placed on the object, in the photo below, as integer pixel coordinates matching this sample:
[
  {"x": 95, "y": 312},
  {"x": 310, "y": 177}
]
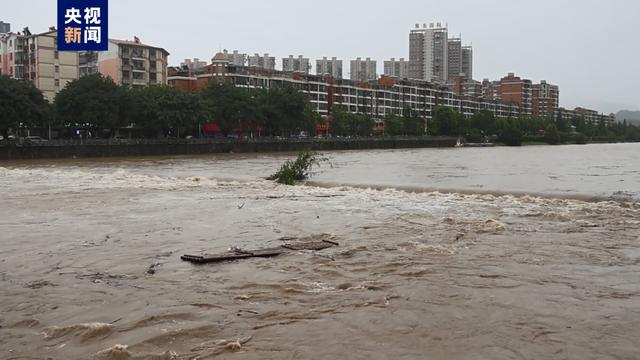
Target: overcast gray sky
[{"x": 590, "y": 48}]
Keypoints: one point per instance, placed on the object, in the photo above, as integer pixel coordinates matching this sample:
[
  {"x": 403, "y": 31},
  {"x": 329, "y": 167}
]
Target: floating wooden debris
[{"x": 237, "y": 254}]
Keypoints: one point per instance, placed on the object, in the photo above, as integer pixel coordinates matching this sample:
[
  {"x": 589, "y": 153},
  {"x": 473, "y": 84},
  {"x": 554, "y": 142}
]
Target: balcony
[{"x": 137, "y": 54}]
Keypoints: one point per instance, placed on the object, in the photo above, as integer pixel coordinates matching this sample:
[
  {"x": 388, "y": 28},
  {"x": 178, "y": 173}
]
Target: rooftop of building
[{"x": 136, "y": 42}]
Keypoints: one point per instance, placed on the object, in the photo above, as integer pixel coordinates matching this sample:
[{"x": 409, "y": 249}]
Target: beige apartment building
[
  {"x": 34, "y": 57},
  {"x": 130, "y": 63}
]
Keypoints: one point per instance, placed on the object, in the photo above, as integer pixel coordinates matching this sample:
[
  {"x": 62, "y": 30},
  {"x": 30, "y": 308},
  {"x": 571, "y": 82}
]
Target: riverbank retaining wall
[{"x": 121, "y": 148}]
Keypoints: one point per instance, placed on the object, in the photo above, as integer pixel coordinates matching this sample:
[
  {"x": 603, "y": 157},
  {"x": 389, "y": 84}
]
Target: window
[
  {"x": 55, "y": 54},
  {"x": 56, "y": 82},
  {"x": 57, "y": 69}
]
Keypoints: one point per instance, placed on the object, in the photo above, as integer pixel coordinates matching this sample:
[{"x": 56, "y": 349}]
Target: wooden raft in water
[{"x": 238, "y": 254}]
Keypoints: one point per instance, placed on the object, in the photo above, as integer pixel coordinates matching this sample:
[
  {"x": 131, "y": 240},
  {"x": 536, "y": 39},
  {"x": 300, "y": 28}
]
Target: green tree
[
  {"x": 393, "y": 125},
  {"x": 93, "y": 101},
  {"x": 348, "y": 124},
  {"x": 551, "y": 135},
  {"x": 580, "y": 139},
  {"x": 312, "y": 120},
  {"x": 485, "y": 121},
  {"x": 286, "y": 110},
  {"x": 166, "y": 108},
  {"x": 445, "y": 121},
  {"x": 227, "y": 105},
  {"x": 21, "y": 104},
  {"x": 413, "y": 123},
  {"x": 562, "y": 124},
  {"x": 580, "y": 125},
  {"x": 511, "y": 137}
]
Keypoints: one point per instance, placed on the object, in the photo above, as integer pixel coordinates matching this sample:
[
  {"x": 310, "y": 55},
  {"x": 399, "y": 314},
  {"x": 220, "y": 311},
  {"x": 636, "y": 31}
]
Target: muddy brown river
[{"x": 90, "y": 257}]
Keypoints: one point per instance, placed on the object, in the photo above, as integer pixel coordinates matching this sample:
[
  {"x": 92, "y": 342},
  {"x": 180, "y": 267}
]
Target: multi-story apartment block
[
  {"x": 35, "y": 58},
  {"x": 428, "y": 53},
  {"x": 546, "y": 100},
  {"x": 235, "y": 58},
  {"x": 467, "y": 61},
  {"x": 298, "y": 65},
  {"x": 377, "y": 98},
  {"x": 468, "y": 87},
  {"x": 129, "y": 63},
  {"x": 88, "y": 63},
  {"x": 517, "y": 91},
  {"x": 265, "y": 62},
  {"x": 454, "y": 55},
  {"x": 397, "y": 68},
  {"x": 5, "y": 27},
  {"x": 364, "y": 70},
  {"x": 491, "y": 89},
  {"x": 331, "y": 67},
  {"x": 589, "y": 116}
]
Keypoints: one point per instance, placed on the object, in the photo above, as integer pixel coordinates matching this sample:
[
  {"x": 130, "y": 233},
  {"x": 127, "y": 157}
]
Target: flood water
[{"x": 90, "y": 256}]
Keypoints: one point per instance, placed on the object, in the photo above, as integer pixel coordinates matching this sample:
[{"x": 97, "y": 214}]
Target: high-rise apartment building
[
  {"x": 35, "y": 58},
  {"x": 466, "y": 56},
  {"x": 4, "y": 27},
  {"x": 331, "y": 67},
  {"x": 262, "y": 62},
  {"x": 454, "y": 55},
  {"x": 235, "y": 58},
  {"x": 298, "y": 65},
  {"x": 397, "y": 68},
  {"x": 517, "y": 91},
  {"x": 546, "y": 99},
  {"x": 364, "y": 70},
  {"x": 130, "y": 63},
  {"x": 428, "y": 53}
]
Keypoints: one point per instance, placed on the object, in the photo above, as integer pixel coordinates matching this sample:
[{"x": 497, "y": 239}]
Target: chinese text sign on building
[{"x": 83, "y": 25}]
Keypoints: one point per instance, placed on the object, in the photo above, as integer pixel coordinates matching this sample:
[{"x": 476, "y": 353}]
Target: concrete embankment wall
[{"x": 97, "y": 148}]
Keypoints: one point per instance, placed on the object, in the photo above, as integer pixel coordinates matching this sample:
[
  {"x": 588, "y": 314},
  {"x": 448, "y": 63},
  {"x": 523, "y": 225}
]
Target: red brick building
[
  {"x": 514, "y": 90},
  {"x": 546, "y": 100}
]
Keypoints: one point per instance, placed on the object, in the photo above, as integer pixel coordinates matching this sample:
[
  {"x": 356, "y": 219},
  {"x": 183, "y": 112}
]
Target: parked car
[
  {"x": 1, "y": 137},
  {"x": 34, "y": 139}
]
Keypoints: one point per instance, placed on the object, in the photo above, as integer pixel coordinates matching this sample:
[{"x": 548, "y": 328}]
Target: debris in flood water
[{"x": 236, "y": 253}]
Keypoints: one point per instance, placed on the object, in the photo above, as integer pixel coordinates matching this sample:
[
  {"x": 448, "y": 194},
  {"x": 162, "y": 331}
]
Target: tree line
[
  {"x": 485, "y": 125},
  {"x": 97, "y": 103}
]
